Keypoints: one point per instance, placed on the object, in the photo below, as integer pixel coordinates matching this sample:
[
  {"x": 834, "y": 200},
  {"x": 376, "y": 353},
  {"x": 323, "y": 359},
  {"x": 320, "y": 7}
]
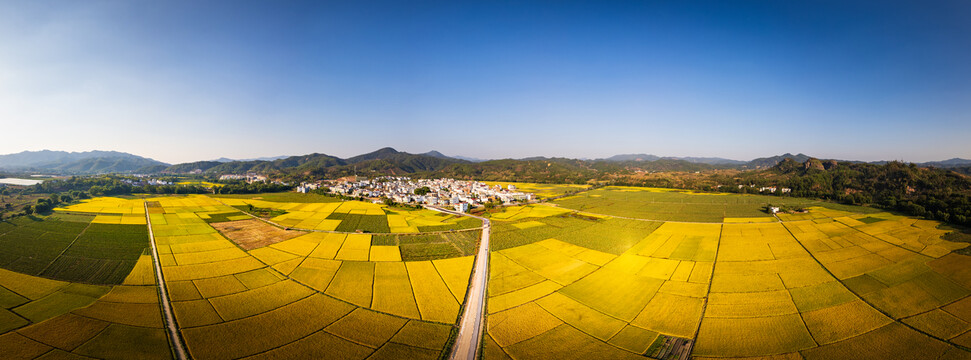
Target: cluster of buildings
[
  {"x": 304, "y": 188},
  {"x": 769, "y": 189},
  {"x": 143, "y": 182},
  {"x": 249, "y": 178},
  {"x": 459, "y": 194},
  {"x": 773, "y": 189}
]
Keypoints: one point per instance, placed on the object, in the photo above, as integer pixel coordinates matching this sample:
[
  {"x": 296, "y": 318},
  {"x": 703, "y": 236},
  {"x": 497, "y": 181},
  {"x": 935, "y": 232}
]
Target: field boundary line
[
  {"x": 65, "y": 249},
  {"x": 176, "y": 342},
  {"x": 704, "y": 305},
  {"x": 858, "y": 296}
]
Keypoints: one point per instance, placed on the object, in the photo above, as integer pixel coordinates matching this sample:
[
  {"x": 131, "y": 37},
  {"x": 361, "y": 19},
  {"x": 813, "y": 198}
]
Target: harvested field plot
[{"x": 251, "y": 234}]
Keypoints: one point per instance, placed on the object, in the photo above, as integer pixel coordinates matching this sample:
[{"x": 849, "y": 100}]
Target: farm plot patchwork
[
  {"x": 349, "y": 267},
  {"x": 282, "y": 197},
  {"x": 541, "y": 190},
  {"x": 533, "y": 223},
  {"x": 675, "y": 205},
  {"x": 417, "y": 247},
  {"x": 832, "y": 284},
  {"x": 77, "y": 250},
  {"x": 313, "y": 295},
  {"x": 764, "y": 283},
  {"x": 554, "y": 298},
  {"x": 900, "y": 267},
  {"x": 351, "y": 216},
  {"x": 124, "y": 323},
  {"x": 110, "y": 210},
  {"x": 26, "y": 299},
  {"x": 737, "y": 290}
]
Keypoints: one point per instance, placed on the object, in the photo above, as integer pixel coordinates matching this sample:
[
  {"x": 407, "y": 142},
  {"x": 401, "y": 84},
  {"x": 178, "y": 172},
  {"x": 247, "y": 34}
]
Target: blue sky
[{"x": 186, "y": 81}]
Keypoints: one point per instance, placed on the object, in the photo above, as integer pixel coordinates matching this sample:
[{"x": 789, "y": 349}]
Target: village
[{"x": 459, "y": 194}]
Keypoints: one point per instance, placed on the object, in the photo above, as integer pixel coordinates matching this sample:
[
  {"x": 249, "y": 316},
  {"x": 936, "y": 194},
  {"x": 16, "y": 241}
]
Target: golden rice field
[
  {"x": 686, "y": 206},
  {"x": 725, "y": 281},
  {"x": 124, "y": 322},
  {"x": 541, "y": 190},
  {"x": 331, "y": 216},
  {"x": 819, "y": 285},
  {"x": 312, "y": 294},
  {"x": 307, "y": 296}
]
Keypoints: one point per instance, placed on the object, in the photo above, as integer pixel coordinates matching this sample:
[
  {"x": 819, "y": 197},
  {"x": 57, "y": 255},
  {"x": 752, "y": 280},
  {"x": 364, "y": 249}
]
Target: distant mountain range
[
  {"x": 88, "y": 162},
  {"x": 392, "y": 162},
  {"x": 386, "y": 160}
]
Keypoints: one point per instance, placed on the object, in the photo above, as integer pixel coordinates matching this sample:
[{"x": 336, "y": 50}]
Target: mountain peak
[
  {"x": 382, "y": 153},
  {"x": 436, "y": 154},
  {"x": 386, "y": 149}
]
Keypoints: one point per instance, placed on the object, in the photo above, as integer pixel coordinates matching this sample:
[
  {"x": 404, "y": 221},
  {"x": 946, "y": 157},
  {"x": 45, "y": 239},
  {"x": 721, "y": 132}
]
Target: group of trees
[
  {"x": 932, "y": 193},
  {"x": 45, "y": 205}
]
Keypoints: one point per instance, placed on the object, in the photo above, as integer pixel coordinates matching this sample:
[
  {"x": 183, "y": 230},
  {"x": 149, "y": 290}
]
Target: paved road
[
  {"x": 466, "y": 345},
  {"x": 175, "y": 336}
]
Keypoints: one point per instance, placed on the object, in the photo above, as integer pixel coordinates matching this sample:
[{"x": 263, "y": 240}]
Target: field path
[
  {"x": 175, "y": 336},
  {"x": 470, "y": 326}
]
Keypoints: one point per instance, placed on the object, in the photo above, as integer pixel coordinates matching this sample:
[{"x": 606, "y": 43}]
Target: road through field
[
  {"x": 470, "y": 326},
  {"x": 175, "y": 336}
]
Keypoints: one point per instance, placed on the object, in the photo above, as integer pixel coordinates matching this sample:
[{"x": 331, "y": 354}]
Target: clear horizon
[
  {"x": 188, "y": 81},
  {"x": 520, "y": 157}
]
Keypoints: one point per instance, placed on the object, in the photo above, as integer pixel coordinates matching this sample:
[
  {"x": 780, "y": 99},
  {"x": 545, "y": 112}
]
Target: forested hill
[
  {"x": 88, "y": 162},
  {"x": 388, "y": 161},
  {"x": 930, "y": 192}
]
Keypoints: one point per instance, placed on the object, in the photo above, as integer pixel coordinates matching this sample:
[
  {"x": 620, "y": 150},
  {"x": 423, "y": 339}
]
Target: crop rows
[{"x": 72, "y": 250}]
